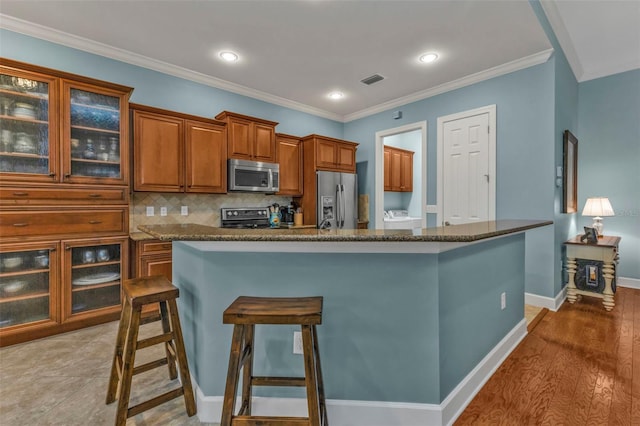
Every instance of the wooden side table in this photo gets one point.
(595, 264)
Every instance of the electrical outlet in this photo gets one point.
(150, 211)
(503, 300)
(184, 211)
(163, 211)
(297, 342)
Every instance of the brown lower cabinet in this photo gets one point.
(57, 285)
(151, 257)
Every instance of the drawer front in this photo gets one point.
(20, 196)
(155, 247)
(17, 224)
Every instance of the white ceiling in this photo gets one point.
(294, 52)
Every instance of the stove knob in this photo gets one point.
(260, 212)
(235, 213)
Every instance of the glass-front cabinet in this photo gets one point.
(92, 128)
(28, 126)
(92, 274)
(28, 273)
(58, 130)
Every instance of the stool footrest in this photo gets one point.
(277, 381)
(154, 402)
(145, 343)
(269, 420)
(150, 366)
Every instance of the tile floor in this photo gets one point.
(62, 380)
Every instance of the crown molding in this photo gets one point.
(80, 43)
(509, 67)
(550, 9)
(59, 37)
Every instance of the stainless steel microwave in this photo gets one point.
(253, 176)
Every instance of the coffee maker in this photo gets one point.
(287, 214)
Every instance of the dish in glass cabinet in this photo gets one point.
(13, 287)
(103, 277)
(12, 262)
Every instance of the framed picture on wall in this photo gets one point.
(570, 174)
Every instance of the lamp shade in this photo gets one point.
(599, 206)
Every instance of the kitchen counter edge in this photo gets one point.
(454, 233)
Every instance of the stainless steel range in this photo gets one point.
(245, 217)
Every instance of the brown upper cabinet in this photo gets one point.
(176, 152)
(398, 169)
(333, 154)
(322, 153)
(62, 128)
(250, 138)
(290, 160)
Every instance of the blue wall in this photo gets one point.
(525, 152)
(609, 158)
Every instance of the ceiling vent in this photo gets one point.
(372, 79)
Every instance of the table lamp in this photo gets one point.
(599, 206)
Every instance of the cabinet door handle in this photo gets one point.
(67, 176)
(67, 247)
(52, 175)
(21, 194)
(95, 222)
(95, 195)
(20, 225)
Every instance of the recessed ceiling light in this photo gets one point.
(427, 58)
(229, 56)
(336, 95)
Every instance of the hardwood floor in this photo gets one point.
(578, 366)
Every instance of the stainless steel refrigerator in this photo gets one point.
(337, 203)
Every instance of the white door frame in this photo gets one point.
(379, 171)
(491, 110)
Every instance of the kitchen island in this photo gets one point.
(412, 322)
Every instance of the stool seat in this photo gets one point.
(274, 310)
(139, 292)
(146, 290)
(245, 312)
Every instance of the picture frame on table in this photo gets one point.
(570, 173)
(590, 235)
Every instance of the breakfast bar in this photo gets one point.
(412, 323)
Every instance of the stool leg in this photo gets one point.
(247, 370)
(181, 354)
(316, 353)
(128, 360)
(166, 327)
(114, 378)
(310, 375)
(233, 375)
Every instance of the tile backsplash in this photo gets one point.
(204, 209)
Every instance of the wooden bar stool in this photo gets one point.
(137, 293)
(244, 313)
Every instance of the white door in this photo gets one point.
(467, 190)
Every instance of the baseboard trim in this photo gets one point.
(628, 282)
(455, 403)
(553, 304)
(381, 413)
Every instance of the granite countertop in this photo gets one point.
(453, 233)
